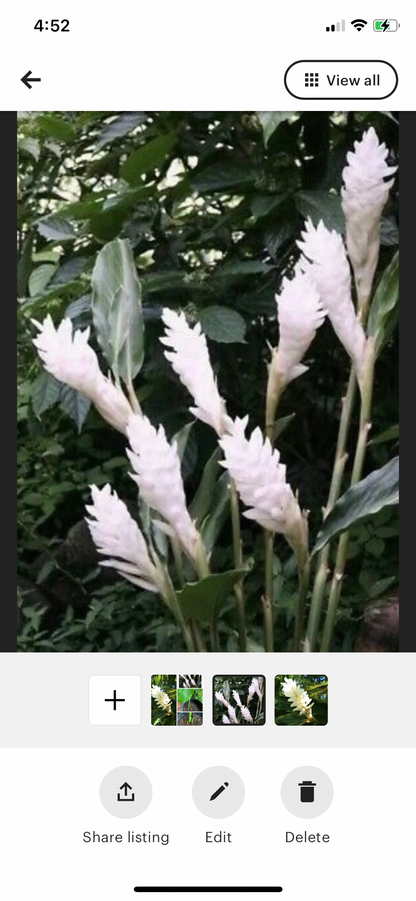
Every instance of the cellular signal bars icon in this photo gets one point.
(339, 26)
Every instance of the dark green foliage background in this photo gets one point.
(215, 239)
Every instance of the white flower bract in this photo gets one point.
(325, 261)
(161, 698)
(300, 313)
(254, 689)
(246, 714)
(118, 537)
(232, 714)
(364, 195)
(220, 697)
(225, 720)
(157, 472)
(296, 695)
(70, 359)
(260, 480)
(189, 358)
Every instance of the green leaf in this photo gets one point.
(242, 267)
(147, 158)
(375, 546)
(30, 146)
(184, 695)
(181, 438)
(269, 121)
(282, 424)
(119, 127)
(46, 392)
(223, 174)
(384, 308)
(117, 309)
(40, 278)
(187, 449)
(277, 235)
(263, 204)
(202, 502)
(75, 405)
(289, 719)
(212, 525)
(223, 324)
(391, 434)
(202, 600)
(55, 127)
(320, 205)
(379, 489)
(56, 228)
(24, 266)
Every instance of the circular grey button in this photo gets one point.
(125, 792)
(218, 792)
(307, 792)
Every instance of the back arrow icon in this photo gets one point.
(26, 79)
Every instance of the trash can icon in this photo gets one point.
(307, 791)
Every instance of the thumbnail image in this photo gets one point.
(190, 696)
(301, 700)
(239, 700)
(177, 700)
(164, 700)
(207, 327)
(190, 681)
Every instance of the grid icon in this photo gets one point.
(311, 79)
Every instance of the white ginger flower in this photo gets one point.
(69, 358)
(327, 264)
(260, 480)
(220, 697)
(189, 358)
(118, 537)
(254, 689)
(237, 698)
(161, 698)
(232, 714)
(363, 198)
(288, 685)
(157, 471)
(246, 714)
(225, 720)
(297, 696)
(299, 313)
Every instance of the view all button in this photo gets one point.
(347, 79)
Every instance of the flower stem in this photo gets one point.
(273, 394)
(169, 596)
(268, 617)
(177, 556)
(304, 573)
(238, 563)
(341, 457)
(203, 570)
(360, 452)
(134, 403)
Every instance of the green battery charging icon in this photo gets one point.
(384, 25)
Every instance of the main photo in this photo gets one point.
(207, 381)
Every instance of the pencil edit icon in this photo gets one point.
(219, 791)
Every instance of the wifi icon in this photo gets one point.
(359, 24)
